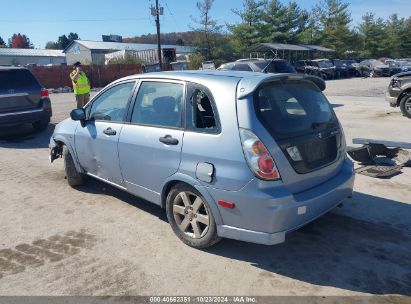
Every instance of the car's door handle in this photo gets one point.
(168, 140)
(110, 132)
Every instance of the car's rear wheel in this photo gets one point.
(74, 178)
(41, 125)
(190, 217)
(405, 106)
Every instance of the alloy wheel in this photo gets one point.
(407, 105)
(191, 214)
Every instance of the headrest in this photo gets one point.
(164, 104)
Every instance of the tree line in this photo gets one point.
(21, 41)
(328, 24)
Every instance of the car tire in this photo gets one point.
(190, 217)
(74, 178)
(337, 75)
(405, 106)
(40, 125)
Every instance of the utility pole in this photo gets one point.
(157, 11)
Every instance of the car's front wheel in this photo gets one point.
(405, 106)
(74, 178)
(190, 217)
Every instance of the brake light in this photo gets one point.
(44, 93)
(258, 158)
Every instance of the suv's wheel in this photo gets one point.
(41, 125)
(74, 178)
(337, 75)
(190, 217)
(405, 106)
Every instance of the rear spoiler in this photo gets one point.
(247, 85)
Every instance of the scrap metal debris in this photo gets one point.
(377, 159)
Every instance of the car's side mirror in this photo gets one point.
(78, 114)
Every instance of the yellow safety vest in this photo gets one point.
(82, 85)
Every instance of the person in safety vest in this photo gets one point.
(81, 85)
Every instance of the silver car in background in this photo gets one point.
(241, 155)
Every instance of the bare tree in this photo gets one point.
(207, 25)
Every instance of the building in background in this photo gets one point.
(93, 52)
(31, 57)
(112, 38)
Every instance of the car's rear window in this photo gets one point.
(16, 79)
(290, 108)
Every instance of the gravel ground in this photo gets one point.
(360, 87)
(96, 240)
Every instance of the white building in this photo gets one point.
(93, 52)
(36, 57)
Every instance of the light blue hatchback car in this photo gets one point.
(241, 155)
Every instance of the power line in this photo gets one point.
(71, 20)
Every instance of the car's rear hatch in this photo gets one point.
(300, 130)
(19, 90)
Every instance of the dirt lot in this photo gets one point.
(96, 240)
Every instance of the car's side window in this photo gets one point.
(159, 104)
(201, 110)
(112, 104)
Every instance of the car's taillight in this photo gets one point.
(258, 158)
(44, 93)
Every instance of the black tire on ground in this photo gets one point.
(405, 106)
(209, 235)
(337, 75)
(41, 125)
(74, 178)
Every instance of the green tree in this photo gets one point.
(51, 46)
(406, 39)
(73, 36)
(333, 20)
(294, 22)
(396, 37)
(63, 42)
(248, 31)
(2, 43)
(273, 17)
(373, 36)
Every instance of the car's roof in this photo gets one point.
(196, 75)
(247, 81)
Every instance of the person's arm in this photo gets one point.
(76, 75)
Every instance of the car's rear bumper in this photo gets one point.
(26, 116)
(265, 215)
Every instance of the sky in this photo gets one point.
(46, 20)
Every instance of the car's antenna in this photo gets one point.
(274, 58)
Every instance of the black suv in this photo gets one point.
(320, 67)
(399, 93)
(23, 99)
